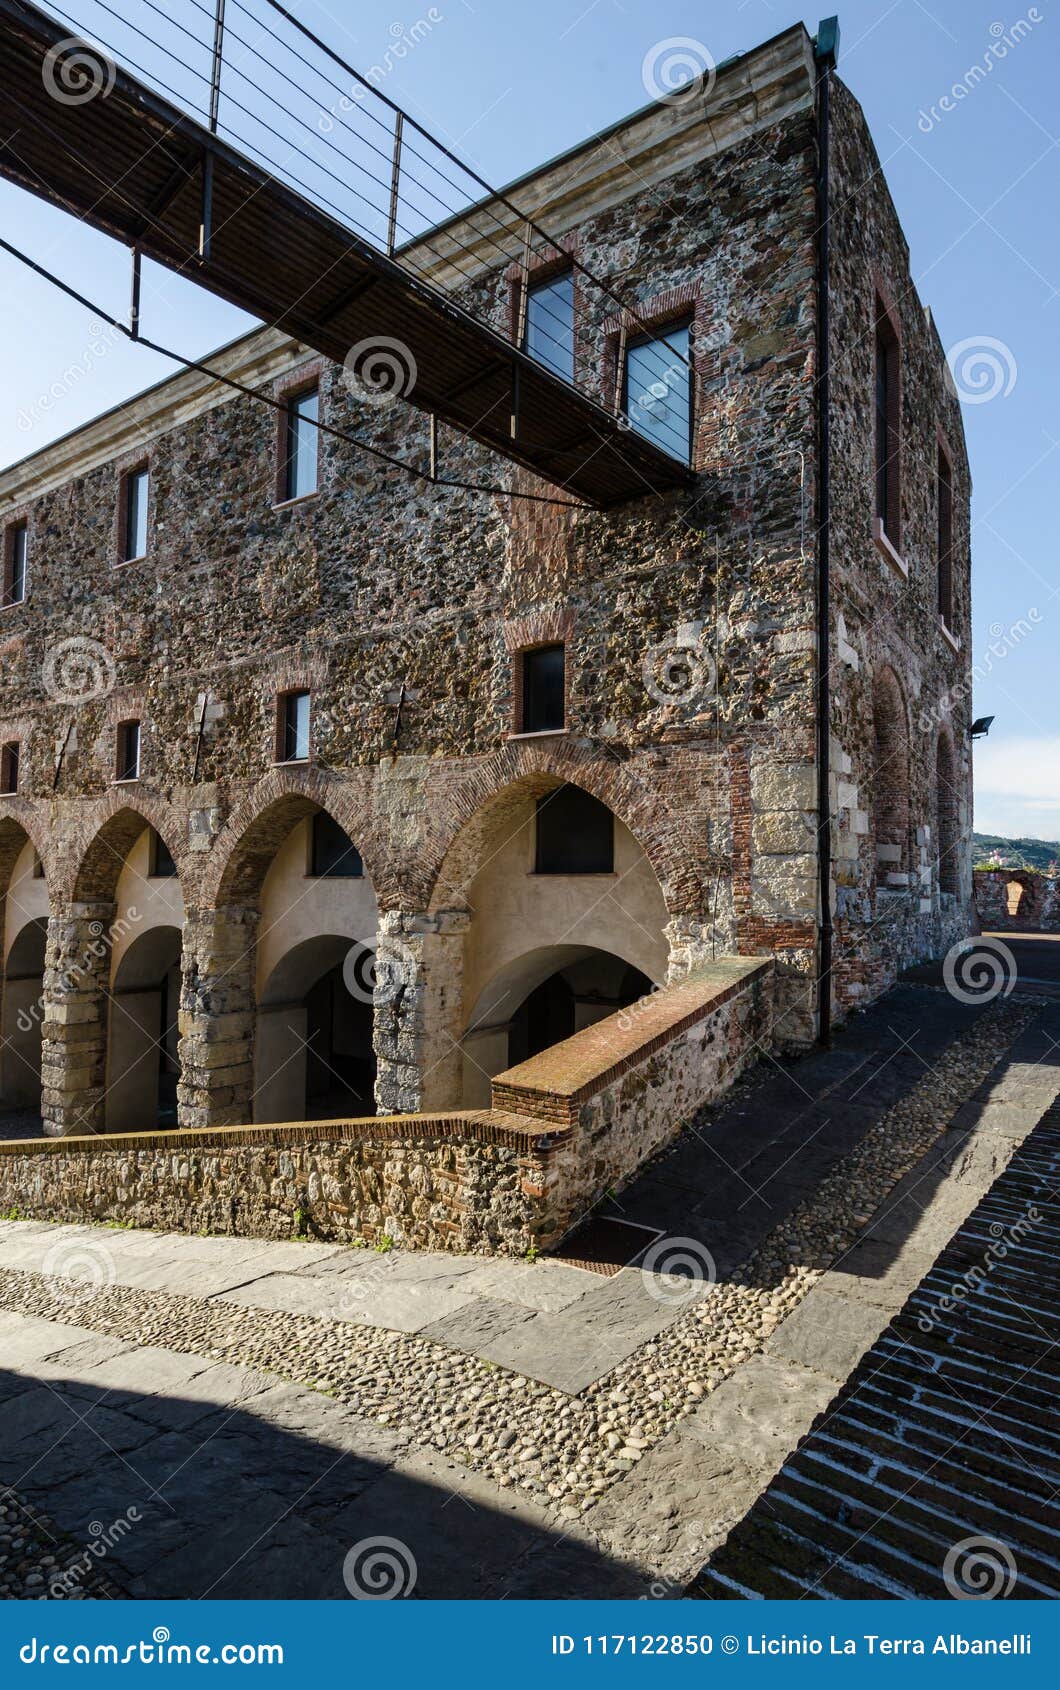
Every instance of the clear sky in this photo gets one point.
(509, 83)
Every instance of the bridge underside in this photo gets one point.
(139, 169)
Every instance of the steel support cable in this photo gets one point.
(346, 216)
(494, 489)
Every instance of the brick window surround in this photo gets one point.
(283, 718)
(10, 759)
(887, 427)
(545, 266)
(672, 309)
(553, 625)
(890, 777)
(121, 523)
(9, 595)
(128, 750)
(944, 509)
(288, 388)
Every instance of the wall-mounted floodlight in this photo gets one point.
(981, 727)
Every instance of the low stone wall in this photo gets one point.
(1038, 909)
(564, 1128)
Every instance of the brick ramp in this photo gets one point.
(945, 1434)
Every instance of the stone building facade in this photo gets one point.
(177, 944)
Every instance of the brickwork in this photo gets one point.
(403, 609)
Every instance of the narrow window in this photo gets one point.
(128, 751)
(888, 493)
(303, 413)
(333, 855)
(658, 390)
(549, 334)
(575, 834)
(294, 727)
(16, 556)
(38, 867)
(9, 767)
(544, 703)
(137, 489)
(945, 539)
(162, 865)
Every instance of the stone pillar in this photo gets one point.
(216, 1020)
(418, 1011)
(74, 1037)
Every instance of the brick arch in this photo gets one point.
(243, 852)
(890, 774)
(947, 814)
(109, 833)
(465, 819)
(20, 825)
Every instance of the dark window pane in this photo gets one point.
(658, 391)
(550, 325)
(129, 751)
(575, 834)
(296, 727)
(162, 865)
(302, 441)
(543, 700)
(334, 854)
(18, 550)
(9, 767)
(137, 487)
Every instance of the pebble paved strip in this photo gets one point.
(565, 1451)
(39, 1563)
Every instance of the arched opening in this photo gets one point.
(314, 1058)
(313, 1053)
(1015, 893)
(947, 814)
(593, 986)
(142, 1061)
(23, 938)
(890, 781)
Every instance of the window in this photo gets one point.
(16, 554)
(575, 834)
(128, 751)
(549, 334)
(888, 492)
(136, 495)
(658, 390)
(9, 767)
(544, 702)
(945, 538)
(294, 727)
(333, 853)
(303, 412)
(162, 865)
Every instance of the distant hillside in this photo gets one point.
(1042, 854)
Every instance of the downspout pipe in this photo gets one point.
(826, 52)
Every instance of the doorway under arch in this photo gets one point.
(314, 1058)
(142, 1061)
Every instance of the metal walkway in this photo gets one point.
(335, 237)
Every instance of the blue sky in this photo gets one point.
(509, 84)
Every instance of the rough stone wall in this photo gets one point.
(1038, 908)
(898, 684)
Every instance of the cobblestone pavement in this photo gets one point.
(936, 1471)
(265, 1407)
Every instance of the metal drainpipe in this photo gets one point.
(826, 49)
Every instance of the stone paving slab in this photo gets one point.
(401, 1307)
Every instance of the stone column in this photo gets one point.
(418, 1011)
(73, 1005)
(216, 1019)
